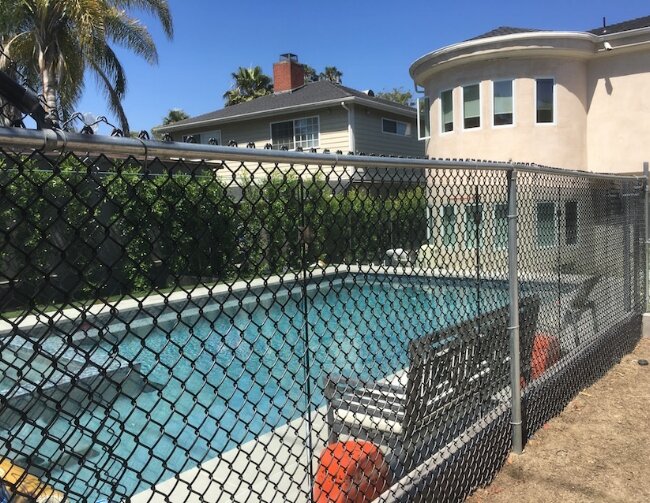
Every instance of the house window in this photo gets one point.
(424, 125)
(447, 111)
(207, 137)
(545, 92)
(546, 224)
(571, 222)
(473, 224)
(295, 133)
(471, 107)
(448, 225)
(502, 91)
(501, 226)
(395, 127)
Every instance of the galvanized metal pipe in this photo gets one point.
(513, 324)
(62, 141)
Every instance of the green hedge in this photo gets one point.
(73, 235)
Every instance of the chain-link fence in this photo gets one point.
(195, 323)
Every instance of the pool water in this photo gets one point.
(239, 369)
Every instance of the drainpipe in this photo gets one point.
(350, 111)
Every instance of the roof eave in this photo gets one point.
(286, 110)
(486, 42)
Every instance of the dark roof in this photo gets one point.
(310, 93)
(632, 24)
(503, 30)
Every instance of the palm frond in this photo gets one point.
(131, 34)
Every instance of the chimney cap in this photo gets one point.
(289, 56)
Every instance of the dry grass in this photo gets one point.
(597, 450)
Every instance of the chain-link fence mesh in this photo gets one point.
(220, 330)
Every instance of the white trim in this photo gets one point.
(290, 109)
(418, 116)
(480, 107)
(543, 124)
(409, 128)
(453, 112)
(514, 118)
(317, 117)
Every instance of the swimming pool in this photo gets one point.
(232, 370)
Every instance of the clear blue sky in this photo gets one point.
(372, 43)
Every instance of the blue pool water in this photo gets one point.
(239, 370)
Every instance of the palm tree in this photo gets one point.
(59, 40)
(250, 83)
(332, 74)
(174, 115)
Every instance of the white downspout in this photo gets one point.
(350, 111)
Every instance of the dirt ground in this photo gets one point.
(597, 450)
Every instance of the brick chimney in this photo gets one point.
(288, 74)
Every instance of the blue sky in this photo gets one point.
(372, 43)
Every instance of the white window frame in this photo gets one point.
(427, 100)
(542, 124)
(317, 117)
(453, 112)
(514, 117)
(556, 231)
(577, 221)
(480, 106)
(409, 127)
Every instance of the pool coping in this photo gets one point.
(31, 321)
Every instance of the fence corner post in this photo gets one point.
(513, 323)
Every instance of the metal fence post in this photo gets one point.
(647, 237)
(513, 324)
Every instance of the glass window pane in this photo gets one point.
(471, 106)
(545, 89)
(473, 224)
(571, 222)
(503, 102)
(448, 225)
(389, 126)
(306, 132)
(424, 126)
(501, 226)
(282, 134)
(447, 106)
(546, 224)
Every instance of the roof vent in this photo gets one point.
(369, 92)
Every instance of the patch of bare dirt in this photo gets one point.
(597, 450)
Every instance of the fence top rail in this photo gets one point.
(56, 140)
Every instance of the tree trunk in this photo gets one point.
(48, 79)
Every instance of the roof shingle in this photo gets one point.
(310, 93)
(631, 24)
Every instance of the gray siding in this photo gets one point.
(370, 139)
(333, 129)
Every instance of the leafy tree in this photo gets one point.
(250, 83)
(310, 74)
(174, 115)
(332, 74)
(398, 95)
(59, 40)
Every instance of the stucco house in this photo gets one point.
(569, 99)
(318, 115)
(575, 100)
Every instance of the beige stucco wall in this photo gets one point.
(562, 144)
(618, 125)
